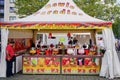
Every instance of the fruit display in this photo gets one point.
(42, 52)
(47, 52)
(55, 51)
(81, 51)
(38, 51)
(32, 51)
(76, 46)
(70, 51)
(92, 51)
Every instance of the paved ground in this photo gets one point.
(54, 77)
(20, 76)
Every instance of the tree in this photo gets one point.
(102, 9)
(116, 27)
(28, 7)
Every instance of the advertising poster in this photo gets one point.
(80, 65)
(41, 65)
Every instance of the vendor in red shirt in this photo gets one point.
(10, 57)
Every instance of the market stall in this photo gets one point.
(52, 27)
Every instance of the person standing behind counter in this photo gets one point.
(75, 41)
(10, 57)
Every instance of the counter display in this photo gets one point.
(41, 65)
(61, 64)
(80, 64)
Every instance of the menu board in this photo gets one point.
(41, 65)
(72, 65)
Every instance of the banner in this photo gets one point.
(57, 26)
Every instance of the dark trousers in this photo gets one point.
(9, 65)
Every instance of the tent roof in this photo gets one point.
(58, 12)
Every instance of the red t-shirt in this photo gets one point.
(10, 52)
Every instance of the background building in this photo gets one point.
(7, 10)
(1, 19)
(7, 13)
(1, 10)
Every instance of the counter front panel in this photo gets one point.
(41, 65)
(78, 65)
(61, 64)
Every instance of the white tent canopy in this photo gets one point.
(110, 67)
(59, 11)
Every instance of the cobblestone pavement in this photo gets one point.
(56, 77)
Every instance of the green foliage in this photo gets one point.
(106, 10)
(116, 28)
(27, 7)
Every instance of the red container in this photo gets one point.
(86, 51)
